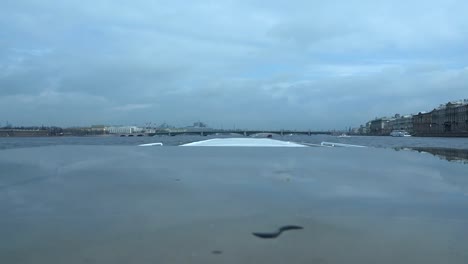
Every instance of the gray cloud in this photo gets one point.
(304, 64)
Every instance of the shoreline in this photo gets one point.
(40, 134)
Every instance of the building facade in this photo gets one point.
(380, 126)
(123, 129)
(450, 119)
(455, 119)
(404, 123)
(422, 123)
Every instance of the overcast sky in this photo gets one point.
(250, 64)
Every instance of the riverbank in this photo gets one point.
(47, 133)
(24, 133)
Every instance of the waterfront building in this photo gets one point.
(124, 129)
(422, 123)
(380, 127)
(450, 119)
(98, 129)
(364, 129)
(404, 123)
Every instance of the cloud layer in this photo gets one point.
(295, 64)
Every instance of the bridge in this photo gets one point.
(245, 133)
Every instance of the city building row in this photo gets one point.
(450, 119)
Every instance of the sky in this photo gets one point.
(297, 64)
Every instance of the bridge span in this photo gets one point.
(245, 133)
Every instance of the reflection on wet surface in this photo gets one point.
(457, 155)
(123, 204)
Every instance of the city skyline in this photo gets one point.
(301, 65)
(199, 123)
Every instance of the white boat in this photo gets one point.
(151, 144)
(399, 133)
(333, 144)
(344, 136)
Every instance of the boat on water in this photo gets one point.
(399, 133)
(344, 136)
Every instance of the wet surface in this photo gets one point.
(369, 141)
(275, 234)
(453, 155)
(124, 204)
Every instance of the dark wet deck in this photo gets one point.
(97, 204)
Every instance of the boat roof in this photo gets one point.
(242, 142)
